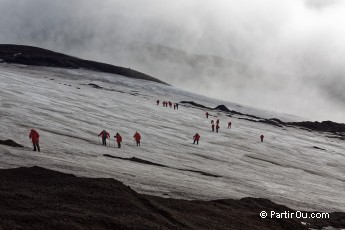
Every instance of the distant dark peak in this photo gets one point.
(29, 55)
(222, 108)
(247, 119)
(273, 121)
(10, 143)
(235, 112)
(277, 121)
(194, 104)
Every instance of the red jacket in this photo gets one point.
(34, 136)
(137, 136)
(197, 137)
(104, 134)
(118, 138)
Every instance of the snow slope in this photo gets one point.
(69, 114)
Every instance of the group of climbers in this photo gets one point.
(105, 135)
(168, 103)
(34, 136)
(213, 126)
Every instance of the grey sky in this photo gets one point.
(283, 55)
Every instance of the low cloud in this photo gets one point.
(279, 55)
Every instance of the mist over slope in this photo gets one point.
(292, 50)
(299, 168)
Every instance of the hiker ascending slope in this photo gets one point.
(262, 138)
(104, 135)
(137, 138)
(176, 105)
(217, 122)
(35, 139)
(157, 102)
(229, 125)
(217, 127)
(196, 138)
(118, 140)
(212, 124)
(206, 114)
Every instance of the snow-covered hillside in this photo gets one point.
(300, 169)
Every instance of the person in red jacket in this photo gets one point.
(262, 138)
(217, 127)
(137, 138)
(118, 140)
(196, 138)
(104, 135)
(206, 114)
(35, 139)
(212, 127)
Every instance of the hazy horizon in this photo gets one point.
(284, 56)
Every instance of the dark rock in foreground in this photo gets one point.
(37, 198)
(29, 55)
(10, 143)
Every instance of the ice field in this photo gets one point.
(69, 113)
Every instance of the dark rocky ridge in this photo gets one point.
(37, 198)
(325, 126)
(29, 55)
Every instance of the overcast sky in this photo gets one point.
(281, 55)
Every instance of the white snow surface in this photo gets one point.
(286, 168)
